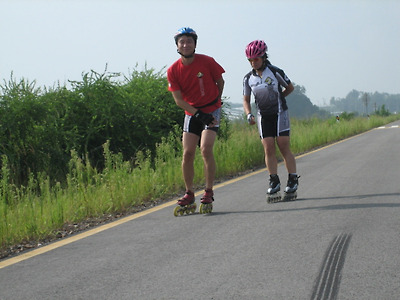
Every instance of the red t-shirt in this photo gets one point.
(197, 81)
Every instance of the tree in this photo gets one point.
(382, 111)
(300, 105)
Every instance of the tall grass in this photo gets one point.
(308, 134)
(37, 210)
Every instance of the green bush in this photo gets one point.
(40, 127)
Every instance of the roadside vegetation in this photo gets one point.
(110, 145)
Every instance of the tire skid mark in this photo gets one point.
(328, 281)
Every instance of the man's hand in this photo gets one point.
(206, 119)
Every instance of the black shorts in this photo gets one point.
(192, 125)
(273, 125)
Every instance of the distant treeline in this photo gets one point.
(356, 103)
(363, 103)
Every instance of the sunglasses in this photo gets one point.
(257, 59)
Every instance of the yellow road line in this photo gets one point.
(79, 236)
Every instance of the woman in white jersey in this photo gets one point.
(269, 86)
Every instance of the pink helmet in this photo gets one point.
(255, 49)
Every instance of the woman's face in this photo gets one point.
(186, 45)
(256, 63)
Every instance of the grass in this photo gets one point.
(38, 210)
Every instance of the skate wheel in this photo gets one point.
(290, 196)
(205, 208)
(273, 198)
(177, 211)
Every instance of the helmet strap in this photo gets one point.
(186, 56)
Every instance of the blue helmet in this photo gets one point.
(185, 31)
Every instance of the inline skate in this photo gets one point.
(291, 188)
(185, 205)
(273, 192)
(206, 205)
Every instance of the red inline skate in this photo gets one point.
(207, 200)
(185, 205)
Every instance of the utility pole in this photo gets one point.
(365, 100)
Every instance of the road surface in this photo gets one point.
(339, 240)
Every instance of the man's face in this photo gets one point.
(186, 45)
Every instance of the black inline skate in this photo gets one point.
(273, 192)
(291, 188)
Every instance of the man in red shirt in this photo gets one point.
(196, 83)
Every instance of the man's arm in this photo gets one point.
(220, 85)
(205, 118)
(182, 103)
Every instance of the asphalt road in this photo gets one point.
(339, 240)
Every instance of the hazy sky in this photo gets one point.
(329, 47)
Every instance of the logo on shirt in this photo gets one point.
(269, 80)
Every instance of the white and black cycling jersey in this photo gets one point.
(267, 89)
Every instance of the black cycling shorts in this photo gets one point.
(192, 125)
(274, 125)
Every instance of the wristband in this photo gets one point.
(249, 117)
